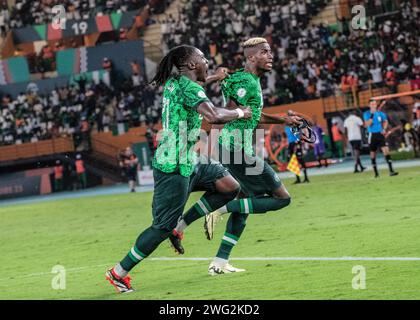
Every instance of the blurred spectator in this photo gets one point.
(390, 79)
(129, 163)
(338, 140)
(106, 64)
(319, 145)
(376, 76)
(47, 56)
(353, 129)
(416, 114)
(85, 132)
(4, 17)
(346, 90)
(109, 76)
(81, 81)
(81, 171)
(58, 176)
(136, 77)
(416, 107)
(123, 34)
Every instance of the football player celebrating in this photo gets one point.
(262, 192)
(184, 105)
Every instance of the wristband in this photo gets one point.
(241, 114)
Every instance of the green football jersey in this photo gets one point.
(181, 125)
(244, 89)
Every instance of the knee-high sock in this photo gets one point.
(209, 202)
(234, 228)
(389, 160)
(358, 164)
(303, 165)
(145, 244)
(374, 166)
(257, 204)
(305, 174)
(358, 160)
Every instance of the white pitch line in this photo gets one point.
(79, 269)
(296, 259)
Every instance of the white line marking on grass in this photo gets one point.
(296, 259)
(331, 259)
(79, 269)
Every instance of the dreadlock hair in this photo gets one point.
(176, 57)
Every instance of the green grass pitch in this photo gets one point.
(333, 216)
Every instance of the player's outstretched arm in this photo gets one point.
(219, 75)
(215, 115)
(290, 120)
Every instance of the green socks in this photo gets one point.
(209, 202)
(234, 228)
(145, 244)
(257, 204)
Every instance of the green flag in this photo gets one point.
(116, 19)
(41, 29)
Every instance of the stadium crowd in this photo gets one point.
(311, 60)
(76, 110)
(26, 12)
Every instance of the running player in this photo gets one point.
(376, 123)
(260, 193)
(175, 171)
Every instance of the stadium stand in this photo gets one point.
(25, 12)
(30, 117)
(318, 56)
(313, 59)
(36, 149)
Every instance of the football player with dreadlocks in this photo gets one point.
(262, 192)
(185, 104)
